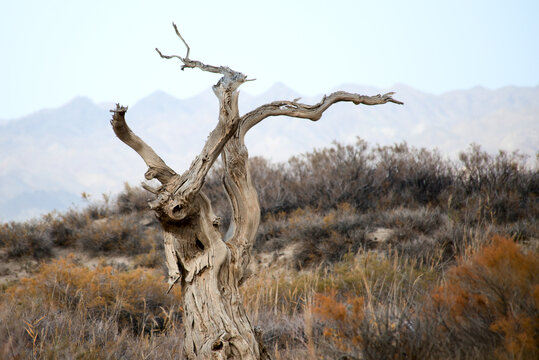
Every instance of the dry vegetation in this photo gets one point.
(368, 253)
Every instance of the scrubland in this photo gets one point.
(363, 253)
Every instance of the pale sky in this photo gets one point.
(54, 50)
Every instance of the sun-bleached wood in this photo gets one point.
(211, 268)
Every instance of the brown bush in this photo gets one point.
(25, 239)
(370, 312)
(133, 199)
(67, 311)
(490, 305)
(134, 298)
(343, 320)
(117, 234)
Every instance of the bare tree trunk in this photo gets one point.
(210, 268)
(215, 322)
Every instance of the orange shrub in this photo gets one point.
(342, 319)
(134, 297)
(492, 301)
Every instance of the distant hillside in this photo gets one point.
(50, 157)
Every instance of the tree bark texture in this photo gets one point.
(211, 268)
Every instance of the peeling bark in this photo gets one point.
(209, 268)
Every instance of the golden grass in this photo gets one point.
(369, 305)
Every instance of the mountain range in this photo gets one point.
(50, 157)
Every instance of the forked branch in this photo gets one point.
(179, 191)
(183, 188)
(227, 73)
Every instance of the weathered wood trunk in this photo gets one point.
(216, 324)
(209, 268)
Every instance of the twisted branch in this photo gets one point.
(311, 112)
(156, 166)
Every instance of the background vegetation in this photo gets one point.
(368, 253)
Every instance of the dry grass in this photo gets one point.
(440, 283)
(67, 310)
(370, 305)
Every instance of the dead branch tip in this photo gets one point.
(388, 98)
(119, 109)
(183, 40)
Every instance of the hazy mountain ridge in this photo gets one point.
(56, 154)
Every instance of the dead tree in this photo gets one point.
(211, 268)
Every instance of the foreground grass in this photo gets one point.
(366, 306)
(69, 311)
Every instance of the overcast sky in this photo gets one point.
(52, 51)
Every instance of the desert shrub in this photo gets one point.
(122, 234)
(154, 258)
(60, 233)
(319, 211)
(411, 176)
(342, 322)
(506, 186)
(364, 274)
(363, 306)
(419, 221)
(25, 239)
(134, 298)
(271, 233)
(67, 311)
(430, 235)
(324, 237)
(390, 176)
(62, 229)
(131, 233)
(482, 171)
(414, 192)
(408, 226)
(272, 185)
(324, 178)
(96, 209)
(133, 199)
(353, 328)
(522, 231)
(281, 330)
(316, 236)
(370, 310)
(378, 308)
(28, 334)
(489, 306)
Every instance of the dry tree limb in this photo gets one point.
(157, 169)
(311, 112)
